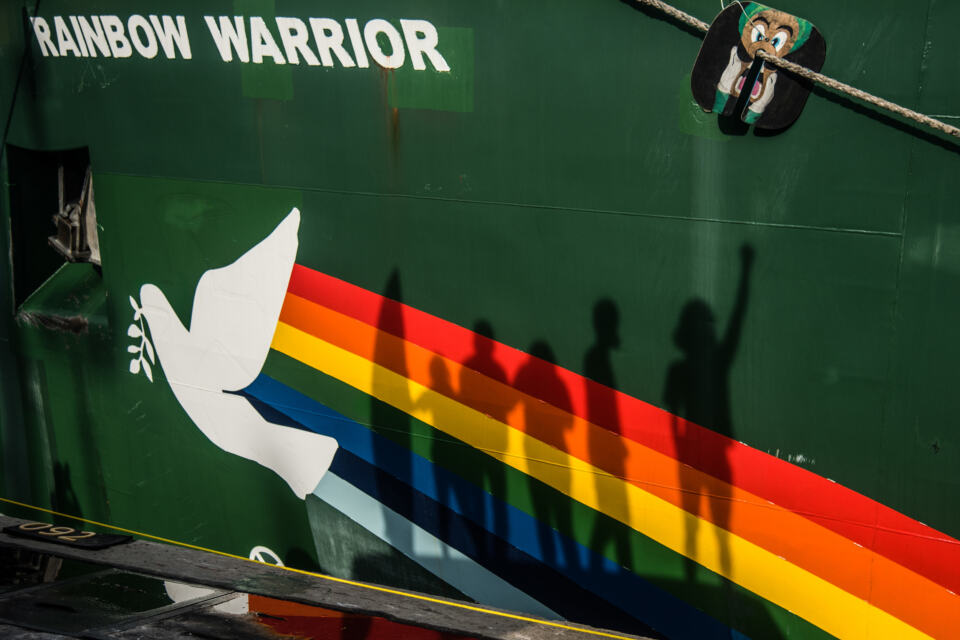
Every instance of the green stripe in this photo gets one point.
(724, 600)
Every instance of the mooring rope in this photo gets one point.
(812, 75)
(673, 12)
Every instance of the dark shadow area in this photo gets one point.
(539, 372)
(63, 498)
(390, 321)
(698, 389)
(447, 492)
(732, 125)
(398, 570)
(482, 360)
(41, 444)
(15, 476)
(34, 199)
(298, 558)
(96, 357)
(27, 61)
(606, 452)
(805, 85)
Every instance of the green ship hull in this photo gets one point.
(475, 300)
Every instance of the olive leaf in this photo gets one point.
(137, 330)
(137, 311)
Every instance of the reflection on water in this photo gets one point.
(72, 605)
(85, 599)
(305, 621)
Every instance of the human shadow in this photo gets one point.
(389, 353)
(539, 372)
(440, 450)
(483, 361)
(607, 452)
(698, 391)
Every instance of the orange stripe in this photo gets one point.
(831, 505)
(903, 593)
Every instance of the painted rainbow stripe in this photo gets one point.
(566, 535)
(467, 506)
(834, 557)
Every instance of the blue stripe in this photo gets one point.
(467, 576)
(604, 578)
(570, 600)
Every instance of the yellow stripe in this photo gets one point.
(371, 587)
(756, 569)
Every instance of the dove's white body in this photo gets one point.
(235, 313)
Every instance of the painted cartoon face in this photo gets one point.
(742, 33)
(773, 31)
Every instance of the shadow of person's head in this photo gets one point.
(541, 349)
(606, 323)
(483, 336)
(696, 330)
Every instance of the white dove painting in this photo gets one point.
(235, 314)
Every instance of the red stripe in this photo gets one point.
(833, 506)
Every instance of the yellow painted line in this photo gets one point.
(371, 587)
(754, 568)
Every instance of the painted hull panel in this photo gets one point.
(544, 336)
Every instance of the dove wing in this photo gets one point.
(236, 308)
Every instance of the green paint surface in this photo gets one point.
(441, 90)
(103, 439)
(347, 550)
(267, 79)
(693, 120)
(557, 165)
